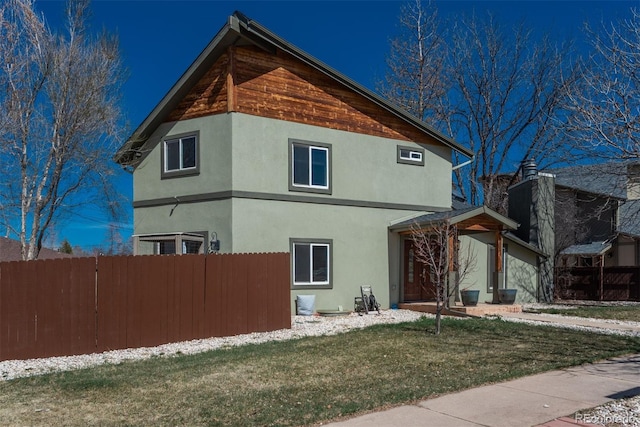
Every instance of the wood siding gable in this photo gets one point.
(252, 81)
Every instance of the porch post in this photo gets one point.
(452, 283)
(497, 276)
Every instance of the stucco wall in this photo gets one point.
(250, 156)
(521, 268)
(215, 160)
(360, 244)
(214, 216)
(364, 168)
(522, 272)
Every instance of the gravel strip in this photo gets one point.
(618, 413)
(301, 326)
(599, 330)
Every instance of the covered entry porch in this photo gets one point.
(474, 235)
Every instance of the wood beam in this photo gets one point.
(232, 99)
(499, 245)
(498, 268)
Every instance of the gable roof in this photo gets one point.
(588, 249)
(10, 250)
(608, 179)
(454, 216)
(241, 30)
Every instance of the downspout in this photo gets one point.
(468, 162)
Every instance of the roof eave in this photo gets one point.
(228, 34)
(262, 32)
(508, 223)
(240, 26)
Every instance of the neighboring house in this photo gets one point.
(259, 147)
(596, 214)
(11, 250)
(585, 215)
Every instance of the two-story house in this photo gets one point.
(259, 147)
(584, 216)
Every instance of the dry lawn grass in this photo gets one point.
(630, 313)
(305, 381)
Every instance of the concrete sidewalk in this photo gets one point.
(630, 328)
(528, 401)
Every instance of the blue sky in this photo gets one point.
(160, 39)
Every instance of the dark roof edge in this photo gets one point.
(156, 115)
(458, 216)
(239, 25)
(515, 239)
(262, 32)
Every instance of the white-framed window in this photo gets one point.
(311, 263)
(180, 155)
(309, 166)
(410, 155)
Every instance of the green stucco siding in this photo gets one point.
(520, 265)
(522, 273)
(242, 193)
(214, 157)
(214, 216)
(360, 244)
(364, 167)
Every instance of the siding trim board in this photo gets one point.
(226, 195)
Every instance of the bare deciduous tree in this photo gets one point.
(415, 80)
(437, 248)
(605, 106)
(495, 89)
(60, 119)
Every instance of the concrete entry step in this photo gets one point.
(481, 309)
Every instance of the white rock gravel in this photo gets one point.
(618, 413)
(301, 326)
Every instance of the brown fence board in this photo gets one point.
(48, 308)
(583, 283)
(215, 295)
(84, 305)
(112, 303)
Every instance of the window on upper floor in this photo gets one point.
(309, 167)
(410, 155)
(311, 263)
(180, 155)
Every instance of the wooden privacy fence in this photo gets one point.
(598, 283)
(72, 306)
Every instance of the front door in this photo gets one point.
(417, 284)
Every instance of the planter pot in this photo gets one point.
(470, 297)
(507, 296)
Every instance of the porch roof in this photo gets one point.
(455, 216)
(514, 239)
(589, 249)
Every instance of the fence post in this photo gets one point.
(601, 272)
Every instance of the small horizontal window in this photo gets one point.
(411, 155)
